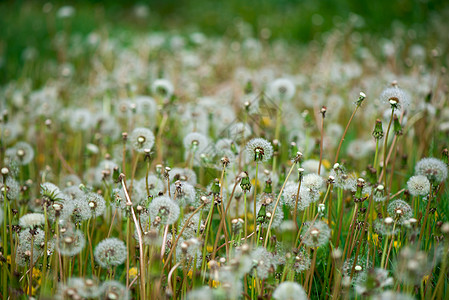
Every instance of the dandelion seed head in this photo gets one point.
(395, 96)
(12, 188)
(164, 208)
(31, 220)
(185, 193)
(162, 87)
(141, 139)
(310, 166)
(114, 290)
(289, 290)
(96, 203)
(71, 242)
(259, 149)
(22, 153)
(110, 252)
(400, 211)
(282, 89)
(315, 234)
(434, 169)
(301, 262)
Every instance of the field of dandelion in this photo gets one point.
(224, 150)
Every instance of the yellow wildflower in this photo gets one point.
(132, 272)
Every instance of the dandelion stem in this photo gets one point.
(139, 237)
(344, 133)
(384, 167)
(255, 197)
(275, 206)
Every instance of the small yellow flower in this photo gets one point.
(375, 238)
(190, 274)
(397, 244)
(209, 248)
(266, 121)
(215, 284)
(132, 272)
(37, 276)
(326, 163)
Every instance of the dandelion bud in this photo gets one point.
(245, 184)
(225, 161)
(216, 187)
(248, 88)
(445, 156)
(159, 169)
(337, 253)
(292, 149)
(378, 132)
(300, 174)
(388, 220)
(298, 157)
(124, 136)
(48, 123)
(5, 171)
(204, 200)
(321, 207)
(276, 145)
(362, 97)
(268, 186)
(445, 228)
(358, 197)
(323, 111)
(397, 128)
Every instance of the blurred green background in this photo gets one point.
(29, 23)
